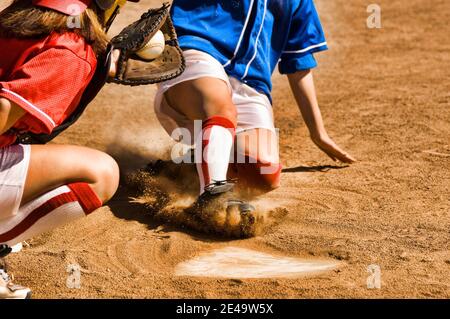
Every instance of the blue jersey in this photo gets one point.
(250, 37)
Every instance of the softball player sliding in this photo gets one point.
(231, 50)
(46, 64)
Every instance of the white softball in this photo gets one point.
(154, 48)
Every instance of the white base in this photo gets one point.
(233, 262)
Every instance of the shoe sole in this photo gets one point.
(221, 189)
(27, 296)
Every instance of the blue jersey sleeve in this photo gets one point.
(306, 37)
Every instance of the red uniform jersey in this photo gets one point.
(46, 77)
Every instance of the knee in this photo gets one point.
(226, 110)
(107, 175)
(231, 113)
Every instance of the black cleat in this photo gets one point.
(218, 188)
(220, 195)
(4, 251)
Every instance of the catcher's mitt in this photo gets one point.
(132, 69)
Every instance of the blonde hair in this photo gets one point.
(24, 20)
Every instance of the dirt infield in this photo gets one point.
(385, 96)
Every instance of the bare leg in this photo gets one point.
(209, 100)
(259, 143)
(64, 183)
(202, 98)
(257, 165)
(52, 166)
(206, 97)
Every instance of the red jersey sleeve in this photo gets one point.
(48, 87)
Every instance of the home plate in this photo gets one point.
(233, 262)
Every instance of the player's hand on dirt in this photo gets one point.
(329, 147)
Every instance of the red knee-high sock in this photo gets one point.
(213, 158)
(54, 209)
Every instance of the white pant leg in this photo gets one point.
(14, 162)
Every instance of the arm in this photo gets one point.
(10, 113)
(302, 85)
